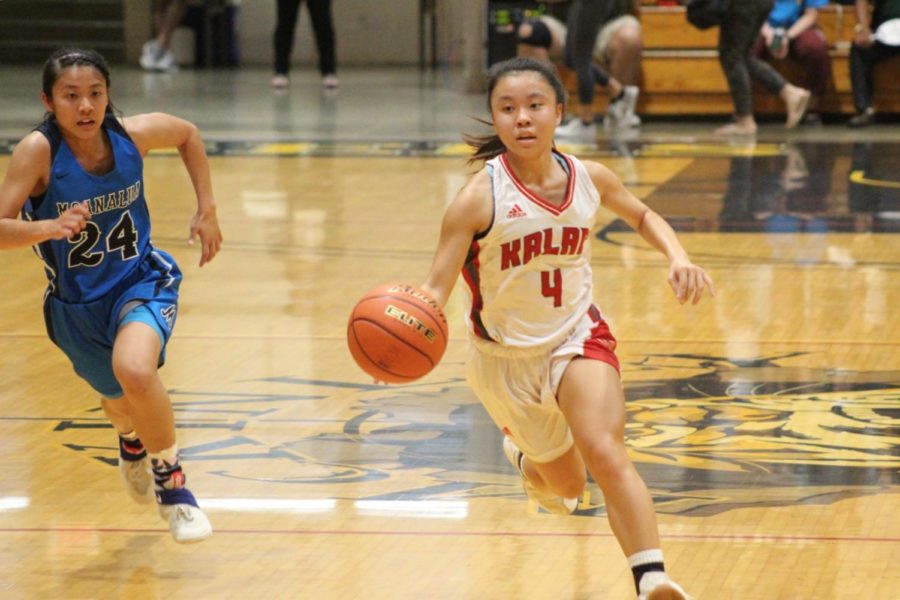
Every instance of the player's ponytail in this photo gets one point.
(489, 146)
(486, 146)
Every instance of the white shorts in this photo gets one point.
(519, 392)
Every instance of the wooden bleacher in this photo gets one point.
(681, 72)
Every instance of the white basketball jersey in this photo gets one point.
(529, 276)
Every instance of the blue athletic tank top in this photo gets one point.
(116, 238)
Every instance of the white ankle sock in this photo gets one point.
(169, 455)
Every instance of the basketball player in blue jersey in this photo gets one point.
(111, 302)
(542, 359)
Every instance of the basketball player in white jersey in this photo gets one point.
(542, 359)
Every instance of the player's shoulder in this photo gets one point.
(474, 202)
(34, 150)
(477, 188)
(35, 143)
(600, 174)
(479, 183)
(140, 123)
(146, 123)
(595, 168)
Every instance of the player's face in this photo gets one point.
(525, 112)
(79, 100)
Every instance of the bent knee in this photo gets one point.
(627, 37)
(534, 33)
(134, 374)
(606, 456)
(524, 31)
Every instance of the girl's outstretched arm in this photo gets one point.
(686, 279)
(161, 130)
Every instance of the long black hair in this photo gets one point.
(489, 146)
(71, 57)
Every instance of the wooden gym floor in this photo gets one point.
(765, 422)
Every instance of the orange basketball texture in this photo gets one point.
(397, 333)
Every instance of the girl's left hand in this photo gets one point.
(205, 224)
(687, 279)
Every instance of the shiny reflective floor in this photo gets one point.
(765, 422)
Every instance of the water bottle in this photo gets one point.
(778, 40)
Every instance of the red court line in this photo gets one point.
(759, 538)
(295, 338)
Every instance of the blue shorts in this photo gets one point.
(86, 332)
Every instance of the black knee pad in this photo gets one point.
(540, 35)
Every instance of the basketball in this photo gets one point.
(397, 333)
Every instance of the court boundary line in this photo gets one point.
(743, 538)
(622, 341)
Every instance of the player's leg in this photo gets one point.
(134, 463)
(80, 331)
(135, 358)
(591, 397)
(564, 476)
(513, 392)
(555, 485)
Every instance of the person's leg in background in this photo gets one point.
(622, 55)
(736, 37)
(795, 99)
(583, 24)
(535, 39)
(156, 54)
(619, 49)
(862, 72)
(323, 29)
(810, 48)
(283, 40)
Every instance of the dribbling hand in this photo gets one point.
(688, 280)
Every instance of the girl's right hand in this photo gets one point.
(70, 223)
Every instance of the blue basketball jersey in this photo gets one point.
(115, 240)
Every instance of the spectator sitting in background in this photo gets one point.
(737, 34)
(792, 30)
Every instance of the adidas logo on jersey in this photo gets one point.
(516, 212)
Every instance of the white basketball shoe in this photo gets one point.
(187, 523)
(656, 585)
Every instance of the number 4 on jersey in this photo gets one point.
(122, 237)
(552, 289)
